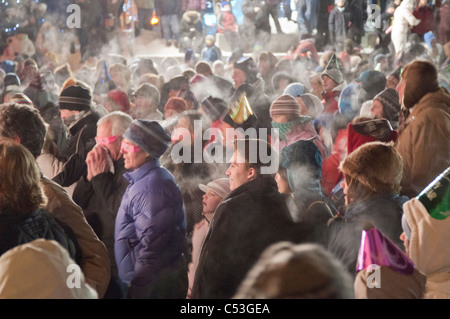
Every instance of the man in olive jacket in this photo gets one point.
(250, 219)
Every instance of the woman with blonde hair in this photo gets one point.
(22, 218)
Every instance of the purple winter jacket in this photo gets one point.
(150, 226)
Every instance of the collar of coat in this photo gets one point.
(263, 184)
(139, 173)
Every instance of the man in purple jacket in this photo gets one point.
(151, 222)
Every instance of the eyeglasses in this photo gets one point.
(106, 140)
(127, 148)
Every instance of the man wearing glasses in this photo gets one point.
(100, 192)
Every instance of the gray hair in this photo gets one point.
(120, 122)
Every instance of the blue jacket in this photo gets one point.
(150, 226)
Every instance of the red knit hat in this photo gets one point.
(121, 99)
(176, 103)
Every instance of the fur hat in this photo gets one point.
(376, 165)
(389, 98)
(420, 77)
(285, 105)
(150, 136)
(75, 98)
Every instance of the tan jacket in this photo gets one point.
(424, 142)
(96, 264)
(429, 248)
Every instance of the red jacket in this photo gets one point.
(426, 15)
(331, 101)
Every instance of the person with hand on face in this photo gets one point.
(25, 125)
(215, 192)
(150, 229)
(100, 192)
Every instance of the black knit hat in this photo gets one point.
(249, 67)
(214, 108)
(75, 98)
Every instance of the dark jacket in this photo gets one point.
(81, 141)
(100, 200)
(337, 26)
(168, 7)
(39, 224)
(250, 219)
(261, 19)
(382, 211)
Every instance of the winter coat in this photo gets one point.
(250, 219)
(426, 16)
(444, 23)
(39, 224)
(95, 263)
(337, 26)
(100, 200)
(150, 230)
(403, 22)
(168, 7)
(383, 211)
(226, 21)
(331, 175)
(25, 268)
(81, 141)
(429, 249)
(211, 54)
(259, 20)
(197, 5)
(332, 98)
(191, 21)
(198, 237)
(424, 142)
(357, 15)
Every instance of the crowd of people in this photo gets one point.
(254, 175)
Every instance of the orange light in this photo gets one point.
(154, 20)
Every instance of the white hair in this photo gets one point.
(120, 122)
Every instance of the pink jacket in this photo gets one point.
(197, 5)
